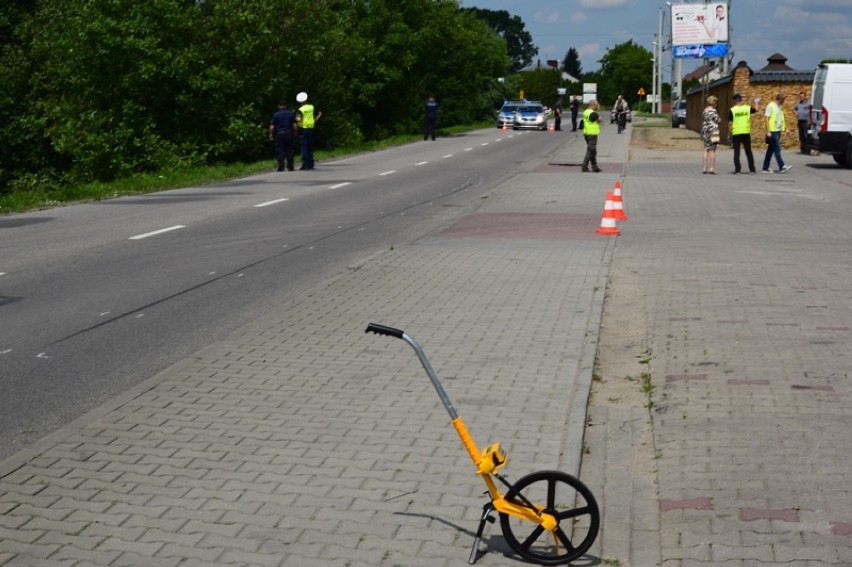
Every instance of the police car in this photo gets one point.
(506, 115)
(530, 115)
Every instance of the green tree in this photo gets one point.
(571, 64)
(625, 69)
(513, 30)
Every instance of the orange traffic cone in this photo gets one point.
(552, 128)
(617, 204)
(504, 126)
(608, 226)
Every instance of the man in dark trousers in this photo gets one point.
(431, 110)
(575, 109)
(282, 131)
(591, 131)
(739, 121)
(557, 111)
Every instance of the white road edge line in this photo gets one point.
(266, 204)
(156, 232)
(339, 185)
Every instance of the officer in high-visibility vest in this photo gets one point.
(307, 117)
(739, 125)
(591, 131)
(775, 124)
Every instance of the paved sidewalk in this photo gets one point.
(728, 310)
(301, 440)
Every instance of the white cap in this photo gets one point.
(302, 97)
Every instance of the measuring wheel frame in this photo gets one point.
(547, 517)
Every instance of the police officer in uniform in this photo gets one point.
(306, 119)
(431, 120)
(739, 123)
(282, 131)
(591, 131)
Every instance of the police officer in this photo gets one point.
(306, 118)
(575, 110)
(557, 111)
(591, 131)
(739, 124)
(431, 120)
(282, 131)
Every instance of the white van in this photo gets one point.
(831, 97)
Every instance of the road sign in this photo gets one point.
(641, 91)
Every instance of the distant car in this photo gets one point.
(612, 116)
(506, 115)
(530, 115)
(678, 113)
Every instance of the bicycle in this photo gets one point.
(569, 514)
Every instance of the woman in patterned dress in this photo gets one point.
(710, 134)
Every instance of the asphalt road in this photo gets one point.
(95, 298)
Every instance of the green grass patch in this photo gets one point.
(48, 196)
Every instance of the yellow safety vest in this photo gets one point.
(742, 119)
(774, 109)
(590, 128)
(307, 111)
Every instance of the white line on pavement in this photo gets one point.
(156, 232)
(339, 185)
(418, 163)
(266, 204)
(447, 156)
(387, 172)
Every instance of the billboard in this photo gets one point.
(698, 24)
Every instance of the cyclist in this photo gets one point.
(621, 109)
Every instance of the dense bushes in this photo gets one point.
(100, 90)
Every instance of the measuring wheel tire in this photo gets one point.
(569, 501)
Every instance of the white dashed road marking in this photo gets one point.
(156, 232)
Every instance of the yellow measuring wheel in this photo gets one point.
(547, 517)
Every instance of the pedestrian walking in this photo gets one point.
(804, 121)
(282, 131)
(306, 120)
(775, 124)
(575, 110)
(710, 134)
(557, 112)
(591, 131)
(739, 124)
(431, 121)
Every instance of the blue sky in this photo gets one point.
(805, 31)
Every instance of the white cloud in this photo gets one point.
(603, 4)
(578, 18)
(545, 18)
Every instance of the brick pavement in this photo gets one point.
(300, 440)
(737, 291)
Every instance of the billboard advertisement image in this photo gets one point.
(694, 24)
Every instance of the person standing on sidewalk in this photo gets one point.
(775, 124)
(739, 124)
(803, 118)
(306, 119)
(710, 134)
(591, 131)
(282, 131)
(431, 120)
